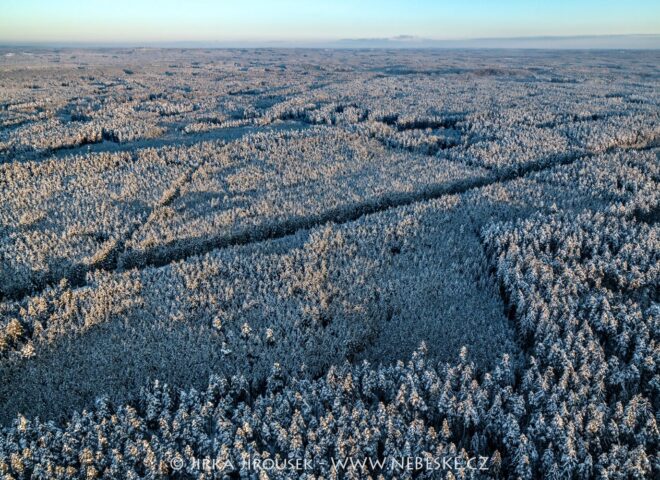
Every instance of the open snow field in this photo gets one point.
(199, 250)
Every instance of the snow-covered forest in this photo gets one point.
(329, 255)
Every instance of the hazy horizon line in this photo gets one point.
(643, 41)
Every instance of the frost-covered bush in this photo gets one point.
(373, 288)
(53, 134)
(64, 216)
(513, 147)
(583, 294)
(276, 182)
(416, 409)
(427, 136)
(627, 180)
(637, 130)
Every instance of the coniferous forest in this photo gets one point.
(327, 264)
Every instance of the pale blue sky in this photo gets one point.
(260, 20)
